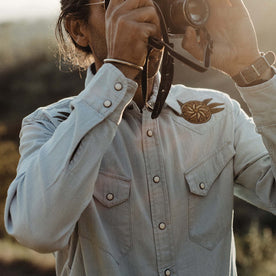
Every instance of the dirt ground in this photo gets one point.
(24, 268)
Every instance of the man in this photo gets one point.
(112, 191)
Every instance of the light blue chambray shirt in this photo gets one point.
(114, 192)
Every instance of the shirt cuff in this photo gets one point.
(108, 93)
(261, 101)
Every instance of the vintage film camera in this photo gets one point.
(175, 16)
(181, 13)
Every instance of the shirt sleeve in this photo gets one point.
(59, 165)
(256, 152)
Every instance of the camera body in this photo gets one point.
(179, 14)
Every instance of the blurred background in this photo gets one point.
(30, 78)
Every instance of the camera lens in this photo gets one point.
(188, 13)
(197, 12)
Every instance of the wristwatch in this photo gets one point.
(253, 73)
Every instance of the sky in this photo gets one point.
(12, 10)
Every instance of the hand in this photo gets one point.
(129, 24)
(233, 34)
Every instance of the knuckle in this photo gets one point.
(153, 15)
(122, 22)
(149, 3)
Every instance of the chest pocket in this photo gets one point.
(112, 190)
(106, 221)
(211, 198)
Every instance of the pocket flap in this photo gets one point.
(201, 177)
(111, 190)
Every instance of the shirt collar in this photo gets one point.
(171, 99)
(91, 71)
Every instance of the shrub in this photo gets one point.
(8, 161)
(256, 251)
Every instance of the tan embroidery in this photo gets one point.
(197, 112)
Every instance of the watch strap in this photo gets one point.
(253, 73)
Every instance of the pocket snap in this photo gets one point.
(211, 198)
(106, 222)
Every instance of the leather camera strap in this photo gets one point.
(167, 67)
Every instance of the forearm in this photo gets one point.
(261, 102)
(55, 180)
(256, 175)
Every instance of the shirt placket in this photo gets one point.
(158, 195)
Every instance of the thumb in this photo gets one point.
(193, 43)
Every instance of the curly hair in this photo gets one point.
(69, 51)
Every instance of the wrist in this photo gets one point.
(130, 70)
(257, 72)
(239, 66)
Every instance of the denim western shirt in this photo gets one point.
(113, 192)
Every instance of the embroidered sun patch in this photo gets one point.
(197, 112)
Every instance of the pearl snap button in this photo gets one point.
(107, 103)
(118, 86)
(150, 133)
(162, 226)
(156, 179)
(202, 186)
(167, 272)
(110, 196)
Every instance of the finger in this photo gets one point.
(140, 32)
(236, 3)
(226, 3)
(119, 7)
(113, 5)
(148, 30)
(130, 4)
(143, 14)
(134, 4)
(190, 43)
